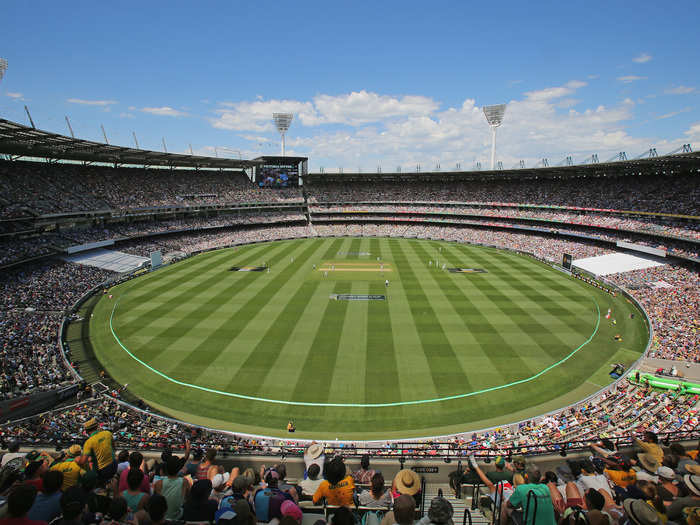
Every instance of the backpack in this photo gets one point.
(268, 503)
(372, 517)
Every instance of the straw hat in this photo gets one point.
(640, 512)
(314, 451)
(693, 484)
(407, 482)
(91, 424)
(649, 462)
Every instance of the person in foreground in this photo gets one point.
(540, 510)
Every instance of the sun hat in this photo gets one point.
(289, 508)
(640, 512)
(440, 511)
(519, 460)
(693, 483)
(92, 423)
(314, 450)
(74, 450)
(693, 469)
(666, 473)
(649, 462)
(218, 480)
(407, 482)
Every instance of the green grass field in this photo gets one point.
(440, 353)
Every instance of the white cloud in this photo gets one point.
(257, 115)
(628, 79)
(91, 102)
(408, 130)
(555, 92)
(642, 59)
(126, 115)
(680, 90)
(693, 133)
(15, 95)
(354, 109)
(362, 107)
(164, 111)
(673, 113)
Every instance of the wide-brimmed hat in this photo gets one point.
(92, 423)
(666, 473)
(407, 482)
(693, 469)
(74, 450)
(640, 512)
(693, 483)
(314, 451)
(649, 462)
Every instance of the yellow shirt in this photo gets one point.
(99, 447)
(338, 494)
(622, 478)
(71, 473)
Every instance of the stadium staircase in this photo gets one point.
(458, 505)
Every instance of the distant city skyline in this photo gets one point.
(370, 85)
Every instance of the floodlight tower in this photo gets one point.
(3, 67)
(494, 116)
(282, 122)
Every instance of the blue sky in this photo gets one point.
(370, 83)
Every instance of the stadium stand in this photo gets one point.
(47, 208)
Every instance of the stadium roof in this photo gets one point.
(679, 163)
(23, 141)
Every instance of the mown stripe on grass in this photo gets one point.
(294, 402)
(181, 325)
(502, 356)
(251, 375)
(549, 342)
(317, 370)
(185, 273)
(184, 296)
(381, 369)
(200, 358)
(543, 278)
(445, 368)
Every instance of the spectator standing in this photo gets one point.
(650, 445)
(100, 448)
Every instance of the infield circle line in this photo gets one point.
(354, 405)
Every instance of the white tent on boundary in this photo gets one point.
(617, 263)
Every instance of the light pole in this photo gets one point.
(494, 116)
(282, 122)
